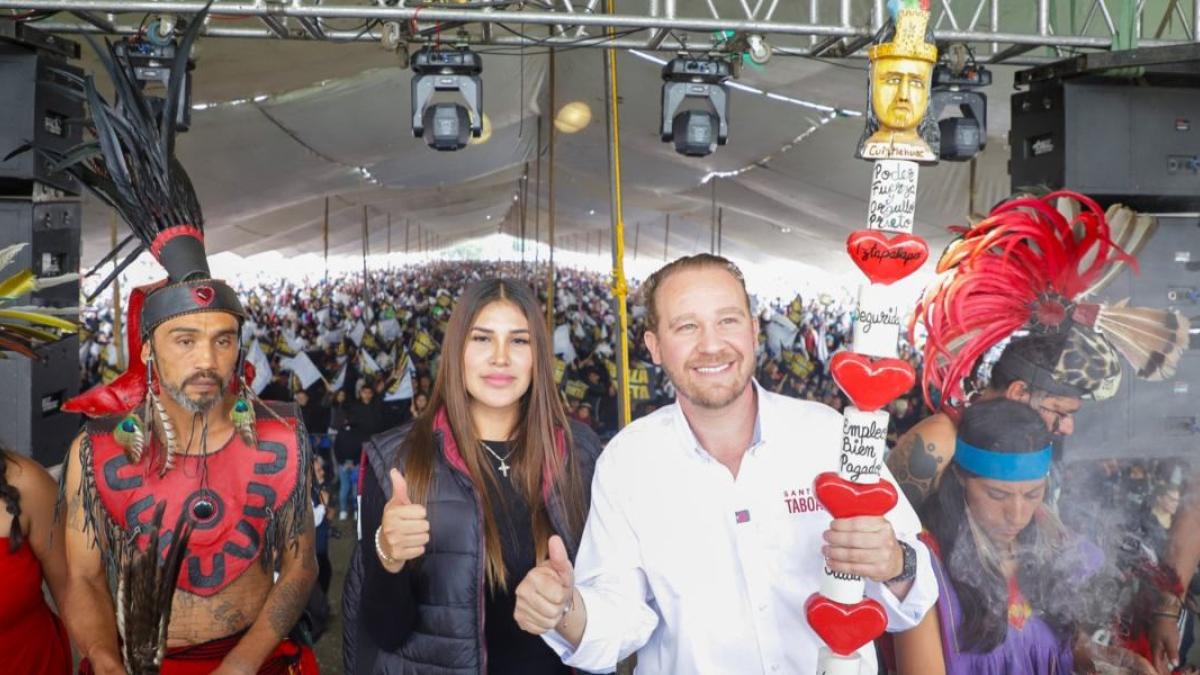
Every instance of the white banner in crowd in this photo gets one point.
(304, 369)
(367, 364)
(781, 333)
(262, 368)
(340, 381)
(403, 388)
(358, 332)
(389, 329)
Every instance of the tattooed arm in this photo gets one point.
(89, 613)
(284, 604)
(921, 455)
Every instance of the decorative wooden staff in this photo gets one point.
(870, 374)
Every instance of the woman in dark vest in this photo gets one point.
(460, 504)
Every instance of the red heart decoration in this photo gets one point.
(886, 260)
(845, 628)
(203, 295)
(871, 383)
(847, 499)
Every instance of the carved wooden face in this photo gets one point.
(900, 92)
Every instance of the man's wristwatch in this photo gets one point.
(910, 564)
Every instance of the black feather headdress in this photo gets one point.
(130, 165)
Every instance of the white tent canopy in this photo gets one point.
(324, 120)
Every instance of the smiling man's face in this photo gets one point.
(705, 337)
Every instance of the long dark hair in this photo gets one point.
(12, 503)
(1047, 567)
(534, 449)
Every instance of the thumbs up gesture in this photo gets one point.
(404, 528)
(545, 596)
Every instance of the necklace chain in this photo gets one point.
(504, 466)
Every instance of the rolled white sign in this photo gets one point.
(829, 663)
(846, 589)
(877, 322)
(864, 442)
(893, 201)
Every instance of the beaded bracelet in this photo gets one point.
(379, 549)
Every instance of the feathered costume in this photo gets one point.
(241, 505)
(1029, 266)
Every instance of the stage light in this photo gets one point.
(447, 126)
(965, 135)
(696, 131)
(573, 117)
(151, 55)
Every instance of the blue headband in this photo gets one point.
(1008, 466)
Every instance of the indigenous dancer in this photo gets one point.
(180, 437)
(1023, 270)
(1016, 592)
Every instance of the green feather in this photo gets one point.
(128, 430)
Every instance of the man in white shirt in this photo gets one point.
(704, 538)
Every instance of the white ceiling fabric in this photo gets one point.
(263, 169)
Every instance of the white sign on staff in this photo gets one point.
(877, 321)
(893, 196)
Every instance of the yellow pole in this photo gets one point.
(620, 285)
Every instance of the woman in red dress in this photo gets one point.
(33, 640)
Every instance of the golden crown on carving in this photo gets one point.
(909, 40)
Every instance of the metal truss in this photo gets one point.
(1017, 31)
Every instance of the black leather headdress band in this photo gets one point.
(189, 297)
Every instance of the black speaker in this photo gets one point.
(38, 209)
(35, 109)
(1114, 141)
(1148, 419)
(32, 423)
(51, 230)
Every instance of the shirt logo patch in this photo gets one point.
(742, 516)
(801, 500)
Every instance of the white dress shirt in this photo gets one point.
(666, 569)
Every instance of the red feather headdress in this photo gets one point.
(1026, 266)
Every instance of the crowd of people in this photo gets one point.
(387, 335)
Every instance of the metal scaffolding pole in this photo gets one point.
(551, 214)
(843, 33)
(118, 316)
(667, 237)
(537, 197)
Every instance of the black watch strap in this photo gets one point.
(910, 564)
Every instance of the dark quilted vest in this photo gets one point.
(447, 637)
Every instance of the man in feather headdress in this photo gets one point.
(1025, 270)
(180, 438)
